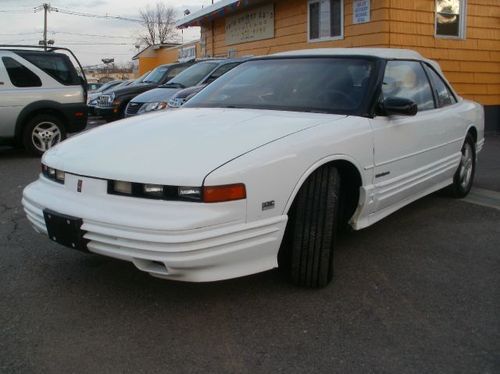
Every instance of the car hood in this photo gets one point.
(178, 147)
(156, 95)
(135, 89)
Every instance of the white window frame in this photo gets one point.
(329, 38)
(462, 27)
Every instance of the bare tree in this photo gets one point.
(159, 24)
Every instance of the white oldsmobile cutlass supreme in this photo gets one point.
(260, 168)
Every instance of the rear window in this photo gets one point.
(58, 66)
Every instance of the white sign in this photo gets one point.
(255, 24)
(360, 11)
(187, 53)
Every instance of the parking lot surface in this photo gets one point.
(418, 292)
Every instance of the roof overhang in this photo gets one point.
(220, 9)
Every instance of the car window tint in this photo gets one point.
(192, 76)
(326, 85)
(172, 73)
(221, 71)
(443, 93)
(20, 75)
(407, 79)
(57, 66)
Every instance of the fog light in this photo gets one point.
(122, 187)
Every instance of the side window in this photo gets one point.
(20, 75)
(220, 72)
(443, 93)
(407, 79)
(57, 66)
(325, 19)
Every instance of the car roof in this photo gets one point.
(383, 53)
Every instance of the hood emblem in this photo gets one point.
(79, 185)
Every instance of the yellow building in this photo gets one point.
(462, 35)
(156, 55)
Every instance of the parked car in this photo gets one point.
(202, 73)
(183, 96)
(260, 168)
(111, 105)
(94, 86)
(42, 97)
(93, 97)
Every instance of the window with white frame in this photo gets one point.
(450, 18)
(326, 19)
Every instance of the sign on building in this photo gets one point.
(360, 11)
(187, 53)
(255, 24)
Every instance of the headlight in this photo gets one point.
(151, 107)
(206, 194)
(53, 174)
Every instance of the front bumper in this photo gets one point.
(174, 240)
(108, 113)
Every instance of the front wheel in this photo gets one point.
(306, 255)
(43, 132)
(464, 176)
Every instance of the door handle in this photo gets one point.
(1, 83)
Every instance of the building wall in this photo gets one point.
(157, 57)
(472, 65)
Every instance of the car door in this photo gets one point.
(14, 92)
(412, 154)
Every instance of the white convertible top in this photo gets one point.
(388, 53)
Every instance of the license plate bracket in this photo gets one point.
(65, 230)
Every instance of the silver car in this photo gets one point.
(42, 97)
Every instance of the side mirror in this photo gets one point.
(399, 106)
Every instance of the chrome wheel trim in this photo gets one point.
(45, 135)
(466, 166)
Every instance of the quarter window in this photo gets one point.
(407, 79)
(325, 19)
(443, 94)
(450, 18)
(57, 66)
(20, 75)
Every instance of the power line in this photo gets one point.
(91, 15)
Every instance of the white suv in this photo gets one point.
(42, 97)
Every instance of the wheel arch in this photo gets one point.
(471, 129)
(34, 109)
(350, 173)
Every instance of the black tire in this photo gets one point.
(50, 132)
(306, 255)
(464, 176)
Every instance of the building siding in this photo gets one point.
(472, 65)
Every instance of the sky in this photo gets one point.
(104, 38)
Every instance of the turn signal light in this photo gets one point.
(229, 192)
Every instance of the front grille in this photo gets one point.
(133, 108)
(105, 101)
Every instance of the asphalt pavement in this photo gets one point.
(418, 292)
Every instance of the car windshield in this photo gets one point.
(156, 75)
(327, 85)
(193, 75)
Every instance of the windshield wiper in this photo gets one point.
(173, 85)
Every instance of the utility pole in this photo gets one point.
(46, 8)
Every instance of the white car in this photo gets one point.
(260, 168)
